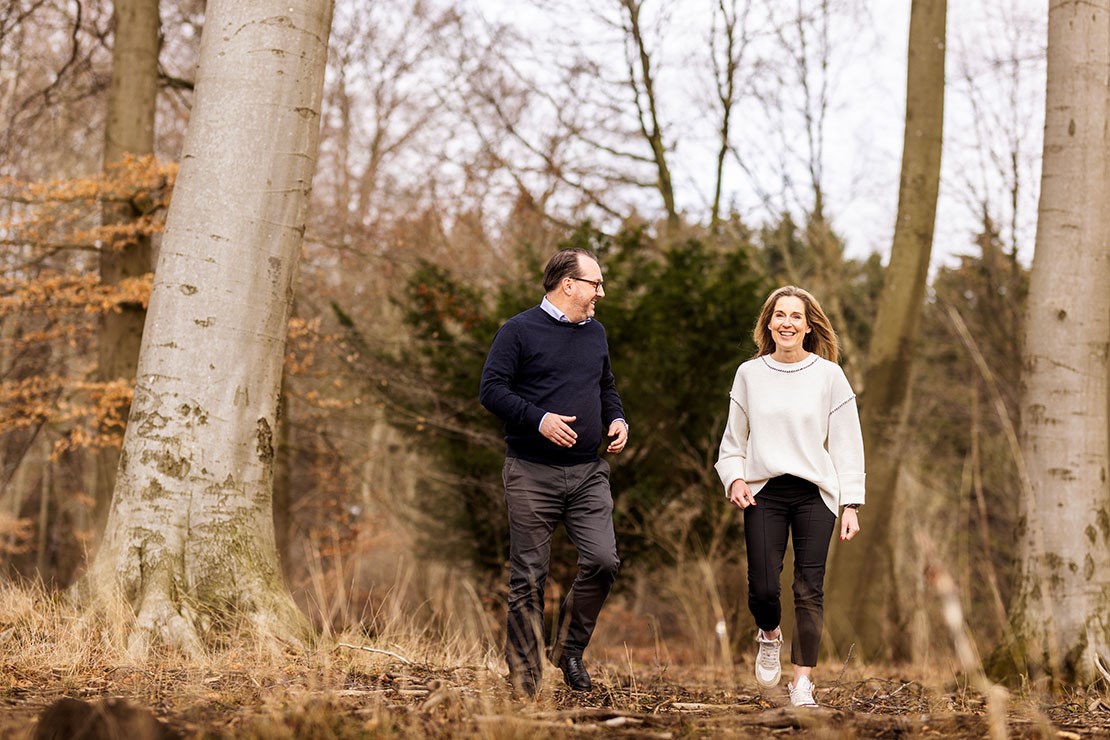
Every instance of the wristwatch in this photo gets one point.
(852, 506)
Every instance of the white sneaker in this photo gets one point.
(767, 668)
(801, 692)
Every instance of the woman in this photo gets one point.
(791, 455)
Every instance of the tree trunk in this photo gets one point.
(1060, 616)
(283, 482)
(130, 130)
(190, 537)
(863, 606)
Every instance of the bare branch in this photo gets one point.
(60, 74)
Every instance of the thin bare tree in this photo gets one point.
(646, 98)
(729, 45)
(862, 593)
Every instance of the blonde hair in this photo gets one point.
(821, 339)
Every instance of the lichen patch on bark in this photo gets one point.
(192, 415)
(265, 439)
(148, 423)
(154, 491)
(167, 464)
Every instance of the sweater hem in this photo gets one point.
(544, 460)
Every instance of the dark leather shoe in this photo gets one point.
(574, 673)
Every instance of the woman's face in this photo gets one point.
(788, 323)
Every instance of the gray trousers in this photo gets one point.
(538, 497)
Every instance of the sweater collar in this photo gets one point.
(789, 367)
(553, 311)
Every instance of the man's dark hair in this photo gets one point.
(563, 264)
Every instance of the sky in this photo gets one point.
(994, 112)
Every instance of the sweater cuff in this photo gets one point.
(852, 488)
(534, 416)
(730, 470)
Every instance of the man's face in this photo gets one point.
(586, 289)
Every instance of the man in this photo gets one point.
(548, 377)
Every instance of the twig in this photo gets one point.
(845, 666)
(391, 654)
(892, 693)
(1102, 668)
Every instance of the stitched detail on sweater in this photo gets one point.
(842, 404)
(794, 370)
(738, 404)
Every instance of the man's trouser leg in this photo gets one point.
(534, 503)
(588, 517)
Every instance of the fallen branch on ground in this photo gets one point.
(391, 654)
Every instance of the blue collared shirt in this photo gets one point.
(552, 310)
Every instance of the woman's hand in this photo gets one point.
(849, 524)
(740, 494)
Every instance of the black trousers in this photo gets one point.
(788, 505)
(539, 497)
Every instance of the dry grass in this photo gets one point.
(437, 674)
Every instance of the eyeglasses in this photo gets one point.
(599, 285)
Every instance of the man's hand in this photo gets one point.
(619, 430)
(557, 428)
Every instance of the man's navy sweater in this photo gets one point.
(538, 364)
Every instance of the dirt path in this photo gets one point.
(473, 702)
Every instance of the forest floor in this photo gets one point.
(353, 694)
(61, 667)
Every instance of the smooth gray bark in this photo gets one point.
(1061, 615)
(190, 538)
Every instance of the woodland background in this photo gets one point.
(458, 148)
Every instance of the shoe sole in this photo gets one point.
(768, 684)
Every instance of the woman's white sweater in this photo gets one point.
(795, 418)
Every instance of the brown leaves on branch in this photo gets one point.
(309, 353)
(86, 414)
(55, 294)
(16, 534)
(52, 297)
(65, 214)
(138, 180)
